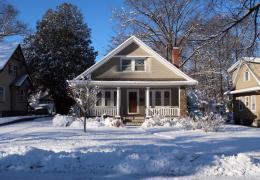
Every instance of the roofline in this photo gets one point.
(135, 83)
(17, 46)
(252, 89)
(146, 48)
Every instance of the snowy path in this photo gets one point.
(36, 149)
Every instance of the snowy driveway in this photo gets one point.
(37, 150)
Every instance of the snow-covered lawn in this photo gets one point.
(38, 150)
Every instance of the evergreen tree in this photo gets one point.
(59, 50)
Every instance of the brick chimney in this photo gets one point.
(176, 56)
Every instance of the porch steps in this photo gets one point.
(133, 121)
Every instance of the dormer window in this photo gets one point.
(12, 69)
(246, 76)
(132, 64)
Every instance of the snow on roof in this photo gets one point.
(7, 48)
(244, 59)
(252, 89)
(19, 81)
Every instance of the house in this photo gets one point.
(245, 91)
(138, 82)
(15, 81)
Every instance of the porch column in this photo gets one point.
(118, 100)
(147, 101)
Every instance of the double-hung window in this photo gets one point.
(106, 98)
(247, 101)
(2, 94)
(160, 98)
(246, 76)
(12, 69)
(132, 65)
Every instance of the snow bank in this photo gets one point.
(62, 120)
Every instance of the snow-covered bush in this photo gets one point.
(62, 120)
(207, 122)
(211, 122)
(158, 120)
(111, 122)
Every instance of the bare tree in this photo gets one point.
(85, 97)
(9, 25)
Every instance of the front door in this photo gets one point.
(133, 102)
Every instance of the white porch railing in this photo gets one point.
(99, 111)
(164, 111)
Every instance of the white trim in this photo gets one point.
(146, 48)
(135, 83)
(127, 100)
(243, 59)
(246, 90)
(179, 96)
(162, 97)
(132, 56)
(253, 99)
(103, 98)
(3, 100)
(118, 101)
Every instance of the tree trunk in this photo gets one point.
(85, 121)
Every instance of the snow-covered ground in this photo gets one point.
(38, 150)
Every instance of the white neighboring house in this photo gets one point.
(138, 82)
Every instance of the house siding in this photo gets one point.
(241, 84)
(110, 71)
(6, 79)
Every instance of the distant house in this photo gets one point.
(138, 82)
(15, 81)
(246, 91)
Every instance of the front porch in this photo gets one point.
(141, 102)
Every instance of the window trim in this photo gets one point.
(247, 103)
(132, 59)
(103, 92)
(3, 100)
(152, 104)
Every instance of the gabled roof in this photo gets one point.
(146, 48)
(6, 51)
(243, 60)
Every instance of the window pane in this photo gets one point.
(247, 101)
(99, 99)
(151, 99)
(158, 98)
(253, 100)
(166, 98)
(126, 65)
(115, 98)
(1, 94)
(246, 76)
(107, 98)
(139, 65)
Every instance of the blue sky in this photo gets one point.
(97, 15)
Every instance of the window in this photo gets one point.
(166, 98)
(247, 101)
(246, 76)
(253, 103)
(99, 99)
(240, 103)
(12, 69)
(158, 98)
(106, 98)
(132, 65)
(139, 65)
(115, 98)
(21, 95)
(126, 65)
(2, 94)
